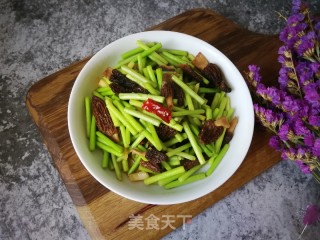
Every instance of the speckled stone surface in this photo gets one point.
(38, 38)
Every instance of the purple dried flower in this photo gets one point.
(312, 214)
(283, 78)
(315, 66)
(290, 105)
(314, 121)
(289, 154)
(303, 167)
(296, 4)
(306, 45)
(304, 74)
(300, 128)
(284, 131)
(254, 75)
(294, 19)
(308, 139)
(292, 110)
(312, 94)
(316, 148)
(275, 143)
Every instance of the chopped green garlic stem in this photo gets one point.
(177, 150)
(159, 77)
(140, 96)
(134, 58)
(230, 114)
(143, 116)
(131, 119)
(141, 63)
(215, 101)
(171, 61)
(120, 116)
(179, 137)
(153, 56)
(189, 173)
(155, 136)
(188, 90)
(135, 103)
(187, 156)
(107, 148)
(152, 76)
(131, 52)
(189, 102)
(148, 135)
(167, 180)
(105, 159)
(135, 74)
(219, 141)
(135, 165)
(123, 136)
(166, 165)
(217, 159)
(188, 113)
(208, 90)
(208, 113)
(175, 51)
(175, 140)
(109, 142)
(191, 179)
(174, 58)
(116, 168)
(193, 142)
(222, 106)
(215, 113)
(137, 141)
(164, 175)
(88, 114)
(92, 138)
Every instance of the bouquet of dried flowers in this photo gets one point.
(292, 110)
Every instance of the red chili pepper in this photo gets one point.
(156, 108)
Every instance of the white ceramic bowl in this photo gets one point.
(87, 81)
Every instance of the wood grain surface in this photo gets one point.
(107, 215)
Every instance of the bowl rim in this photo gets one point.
(143, 199)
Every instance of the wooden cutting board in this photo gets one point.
(109, 216)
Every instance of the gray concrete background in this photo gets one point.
(38, 38)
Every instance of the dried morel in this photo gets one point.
(211, 71)
(191, 72)
(151, 166)
(188, 164)
(178, 93)
(210, 132)
(165, 132)
(167, 89)
(103, 118)
(155, 156)
(121, 84)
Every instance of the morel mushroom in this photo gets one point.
(165, 132)
(167, 89)
(188, 164)
(210, 132)
(211, 71)
(103, 118)
(121, 84)
(178, 93)
(155, 156)
(191, 72)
